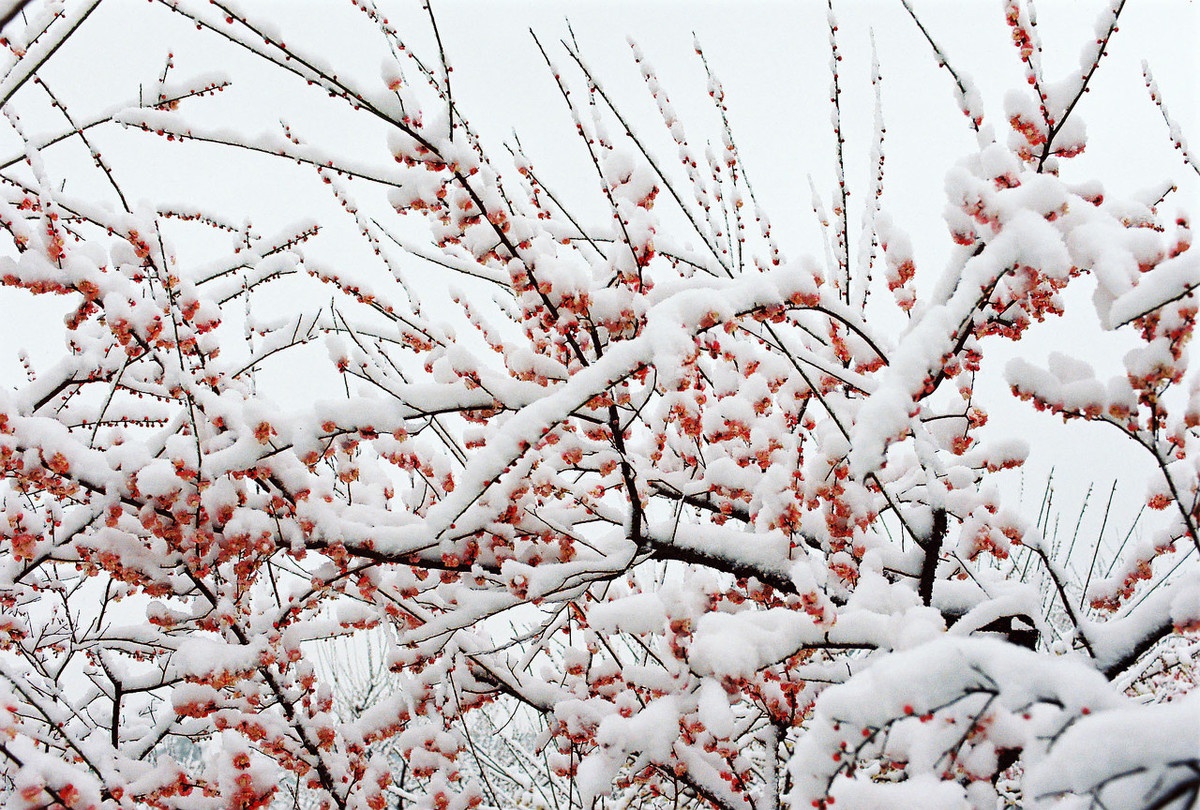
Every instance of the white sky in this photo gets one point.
(771, 56)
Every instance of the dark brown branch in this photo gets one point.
(932, 546)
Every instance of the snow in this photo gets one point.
(737, 645)
(675, 503)
(923, 791)
(915, 690)
(1157, 751)
(640, 613)
(1168, 281)
(1117, 639)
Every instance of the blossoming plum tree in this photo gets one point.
(722, 520)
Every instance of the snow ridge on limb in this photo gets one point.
(965, 706)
